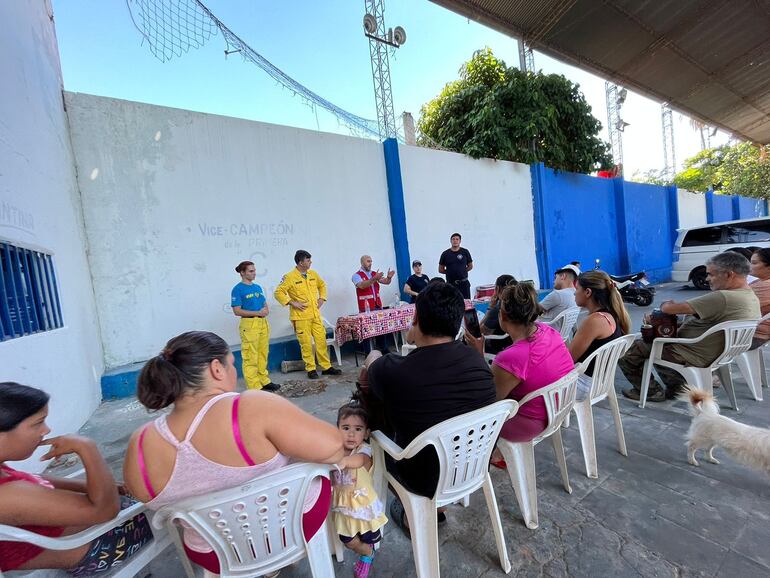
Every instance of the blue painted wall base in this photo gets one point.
(121, 381)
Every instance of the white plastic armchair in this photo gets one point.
(406, 348)
(565, 322)
(737, 336)
(332, 341)
(605, 360)
(255, 528)
(559, 398)
(464, 446)
(135, 563)
(751, 364)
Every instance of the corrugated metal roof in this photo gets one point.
(709, 59)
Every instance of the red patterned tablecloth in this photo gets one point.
(365, 325)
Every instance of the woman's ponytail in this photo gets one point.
(617, 308)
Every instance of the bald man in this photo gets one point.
(367, 284)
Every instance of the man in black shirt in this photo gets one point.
(440, 379)
(456, 262)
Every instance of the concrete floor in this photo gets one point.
(648, 514)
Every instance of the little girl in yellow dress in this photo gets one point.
(357, 510)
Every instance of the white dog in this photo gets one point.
(745, 443)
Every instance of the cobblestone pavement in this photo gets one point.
(648, 514)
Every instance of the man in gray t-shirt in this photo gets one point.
(563, 295)
(730, 299)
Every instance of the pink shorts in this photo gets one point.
(311, 522)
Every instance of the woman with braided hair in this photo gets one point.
(607, 320)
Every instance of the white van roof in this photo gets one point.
(707, 225)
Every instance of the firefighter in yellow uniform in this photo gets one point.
(248, 303)
(304, 292)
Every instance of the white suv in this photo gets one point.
(696, 245)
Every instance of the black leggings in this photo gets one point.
(116, 546)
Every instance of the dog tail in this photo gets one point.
(700, 401)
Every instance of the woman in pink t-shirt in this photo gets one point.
(537, 358)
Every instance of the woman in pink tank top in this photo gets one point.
(214, 438)
(51, 506)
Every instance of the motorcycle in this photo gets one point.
(633, 288)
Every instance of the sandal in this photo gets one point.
(398, 515)
(499, 464)
(440, 517)
(363, 565)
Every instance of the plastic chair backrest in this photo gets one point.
(738, 336)
(253, 525)
(559, 397)
(605, 363)
(464, 446)
(565, 321)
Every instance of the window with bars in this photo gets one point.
(29, 297)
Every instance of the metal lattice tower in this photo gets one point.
(669, 155)
(614, 123)
(705, 137)
(526, 57)
(378, 51)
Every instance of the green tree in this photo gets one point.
(502, 113)
(741, 169)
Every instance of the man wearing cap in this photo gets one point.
(456, 262)
(367, 283)
(563, 295)
(417, 281)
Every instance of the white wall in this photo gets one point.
(40, 207)
(692, 209)
(488, 202)
(173, 200)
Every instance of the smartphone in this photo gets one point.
(471, 320)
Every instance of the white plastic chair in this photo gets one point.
(255, 528)
(407, 347)
(737, 335)
(751, 364)
(332, 341)
(559, 398)
(605, 361)
(161, 540)
(464, 445)
(565, 322)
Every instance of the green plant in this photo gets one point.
(741, 169)
(503, 113)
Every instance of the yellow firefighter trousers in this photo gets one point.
(309, 330)
(255, 341)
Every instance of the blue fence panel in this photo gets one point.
(649, 240)
(722, 208)
(749, 208)
(578, 220)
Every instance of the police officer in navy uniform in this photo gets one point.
(455, 262)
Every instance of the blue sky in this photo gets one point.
(320, 44)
